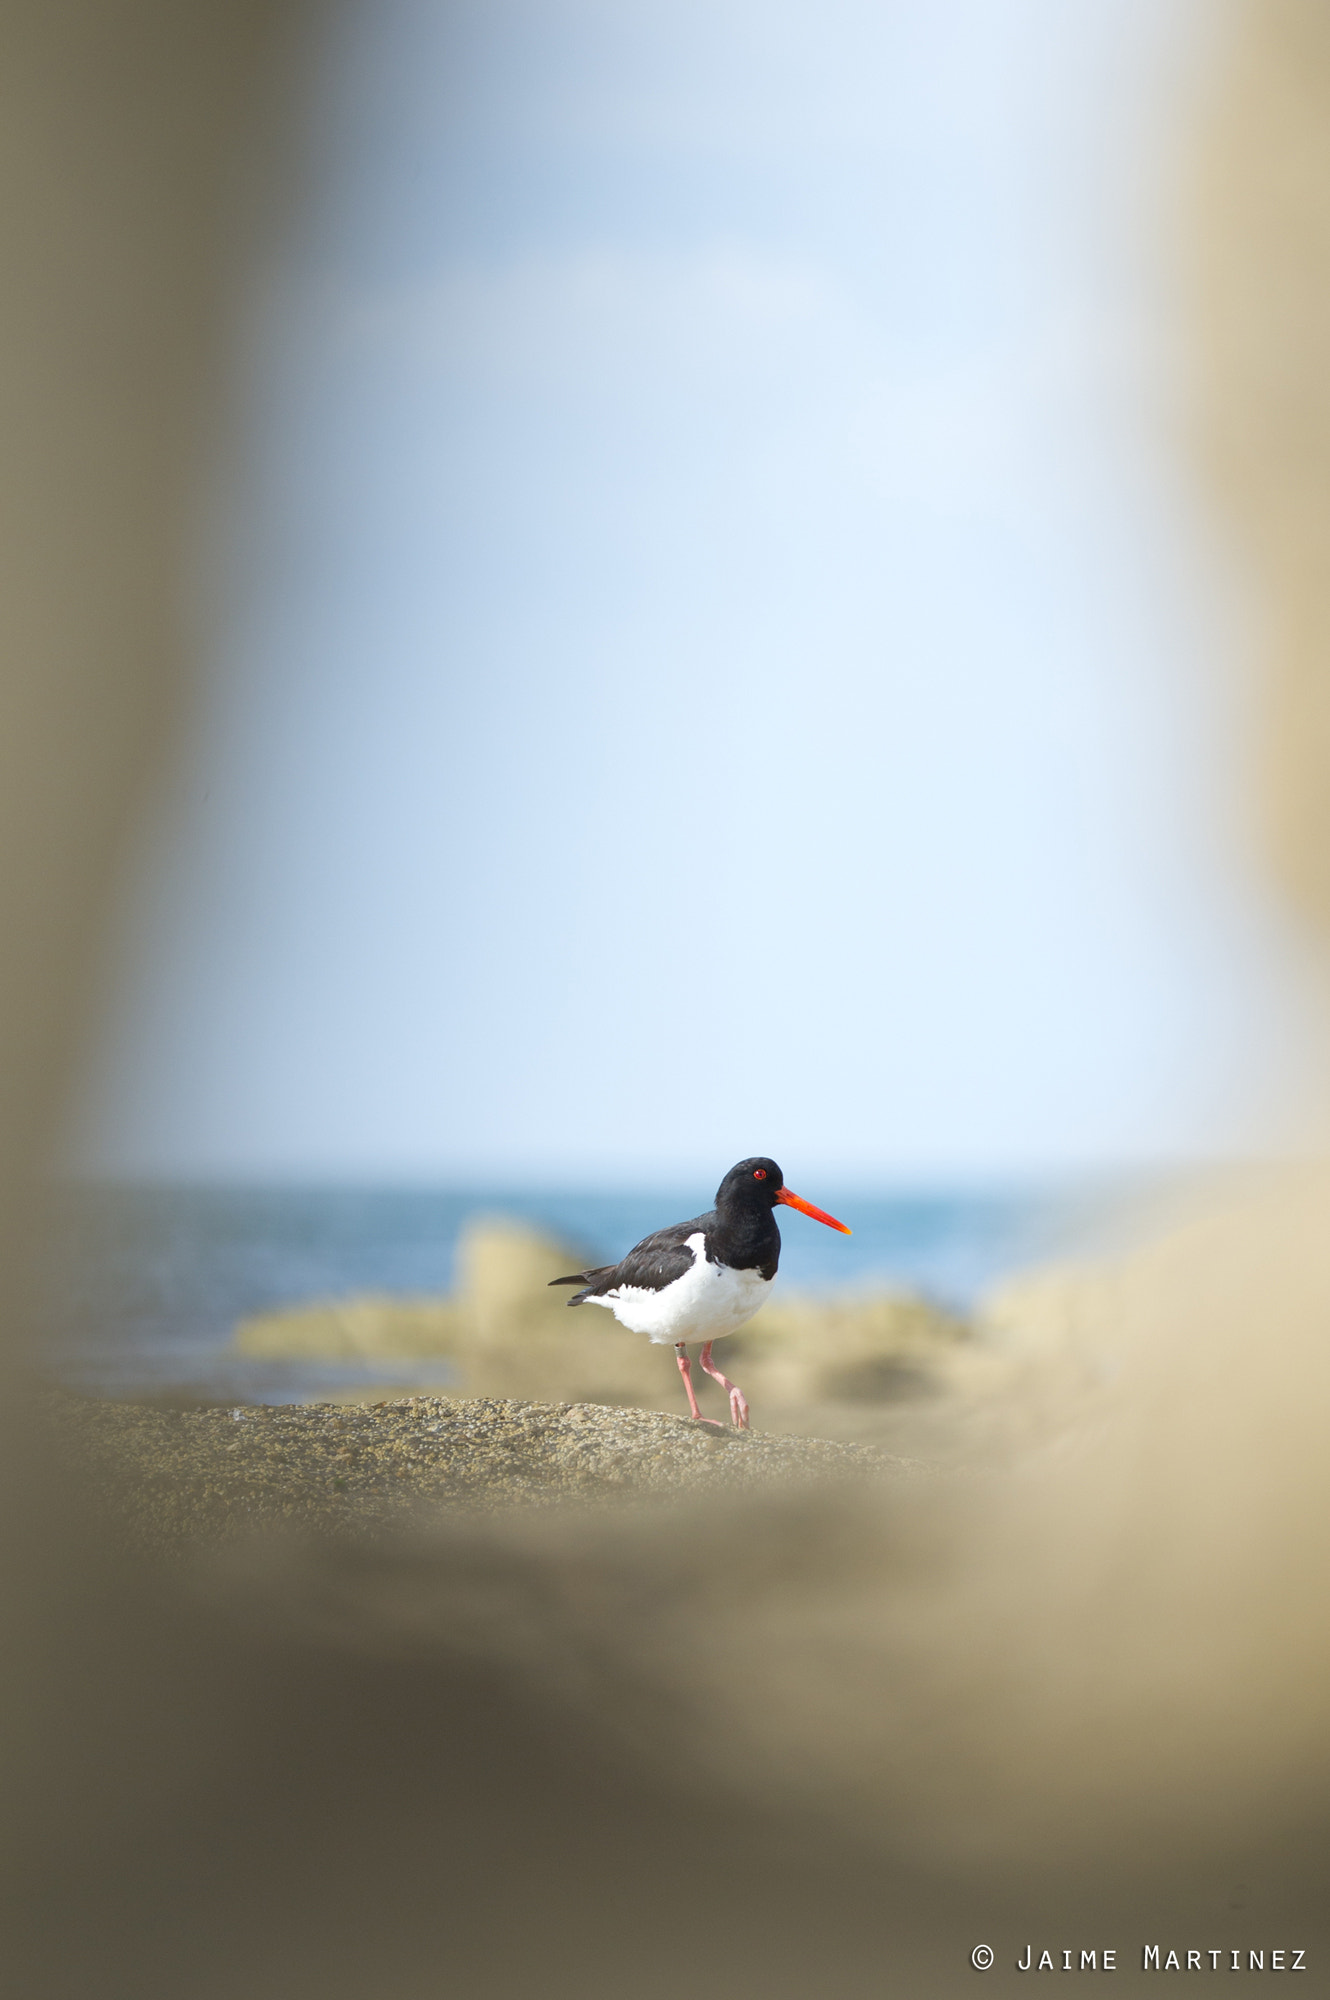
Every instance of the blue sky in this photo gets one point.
(712, 643)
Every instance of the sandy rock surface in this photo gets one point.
(182, 1474)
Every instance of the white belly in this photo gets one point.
(706, 1303)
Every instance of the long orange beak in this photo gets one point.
(818, 1214)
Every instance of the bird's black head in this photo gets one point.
(754, 1183)
(759, 1184)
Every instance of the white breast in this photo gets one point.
(707, 1302)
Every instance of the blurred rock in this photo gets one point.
(508, 1334)
(885, 1348)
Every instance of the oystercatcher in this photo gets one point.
(702, 1279)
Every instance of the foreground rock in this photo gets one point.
(177, 1475)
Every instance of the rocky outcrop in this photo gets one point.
(176, 1475)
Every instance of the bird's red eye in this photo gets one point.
(759, 1173)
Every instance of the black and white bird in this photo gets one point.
(702, 1279)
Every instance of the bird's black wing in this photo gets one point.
(650, 1265)
(660, 1258)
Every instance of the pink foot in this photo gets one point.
(738, 1401)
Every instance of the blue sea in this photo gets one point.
(146, 1284)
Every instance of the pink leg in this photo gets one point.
(682, 1353)
(738, 1401)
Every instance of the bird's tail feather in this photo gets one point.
(587, 1278)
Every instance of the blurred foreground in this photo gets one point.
(1078, 1687)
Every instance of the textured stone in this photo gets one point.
(178, 1474)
